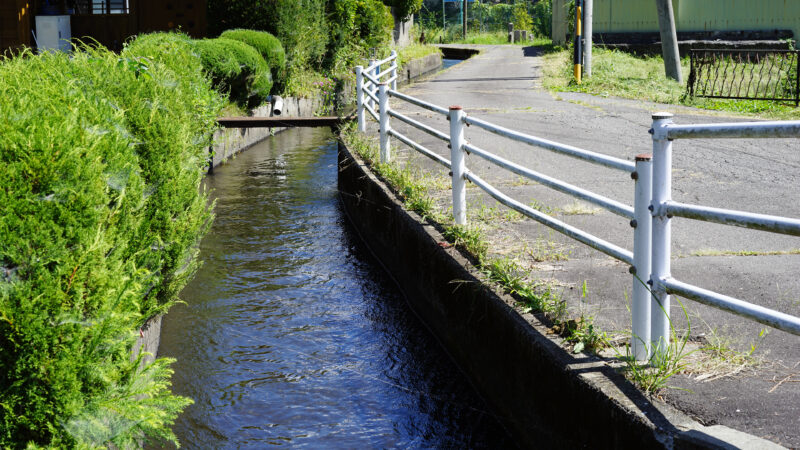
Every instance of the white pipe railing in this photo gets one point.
(598, 158)
(650, 215)
(420, 126)
(589, 196)
(420, 103)
(596, 243)
(664, 209)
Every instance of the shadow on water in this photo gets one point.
(291, 334)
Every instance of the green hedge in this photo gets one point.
(102, 160)
(268, 45)
(356, 26)
(236, 68)
(301, 26)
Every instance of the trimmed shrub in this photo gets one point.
(236, 68)
(301, 26)
(102, 160)
(268, 45)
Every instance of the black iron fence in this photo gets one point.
(745, 74)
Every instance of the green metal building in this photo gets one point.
(622, 16)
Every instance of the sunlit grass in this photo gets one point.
(619, 74)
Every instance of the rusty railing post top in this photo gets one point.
(662, 115)
(644, 157)
(455, 108)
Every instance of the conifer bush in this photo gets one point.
(236, 68)
(102, 158)
(267, 45)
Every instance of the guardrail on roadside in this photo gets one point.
(649, 216)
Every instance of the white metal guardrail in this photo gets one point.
(664, 209)
(649, 216)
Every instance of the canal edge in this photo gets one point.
(544, 395)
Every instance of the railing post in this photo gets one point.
(662, 233)
(362, 125)
(458, 165)
(394, 71)
(642, 236)
(797, 79)
(369, 84)
(383, 96)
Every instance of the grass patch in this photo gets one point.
(482, 38)
(619, 74)
(415, 51)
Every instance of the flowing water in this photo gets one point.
(292, 334)
(447, 62)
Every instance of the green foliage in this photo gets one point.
(301, 26)
(102, 159)
(355, 27)
(521, 19)
(403, 9)
(236, 68)
(267, 45)
(542, 16)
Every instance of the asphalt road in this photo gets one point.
(503, 85)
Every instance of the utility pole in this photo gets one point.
(464, 17)
(587, 37)
(669, 40)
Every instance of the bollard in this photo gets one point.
(394, 70)
(362, 125)
(642, 237)
(661, 252)
(578, 55)
(458, 165)
(510, 32)
(383, 96)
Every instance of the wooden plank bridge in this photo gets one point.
(280, 122)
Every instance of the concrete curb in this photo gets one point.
(545, 396)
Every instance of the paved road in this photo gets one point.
(503, 85)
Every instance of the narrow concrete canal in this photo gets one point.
(293, 335)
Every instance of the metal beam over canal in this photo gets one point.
(280, 122)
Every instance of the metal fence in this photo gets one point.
(745, 74)
(649, 216)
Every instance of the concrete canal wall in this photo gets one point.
(546, 396)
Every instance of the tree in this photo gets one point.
(403, 9)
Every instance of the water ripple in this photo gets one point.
(290, 336)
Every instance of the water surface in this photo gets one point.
(292, 335)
